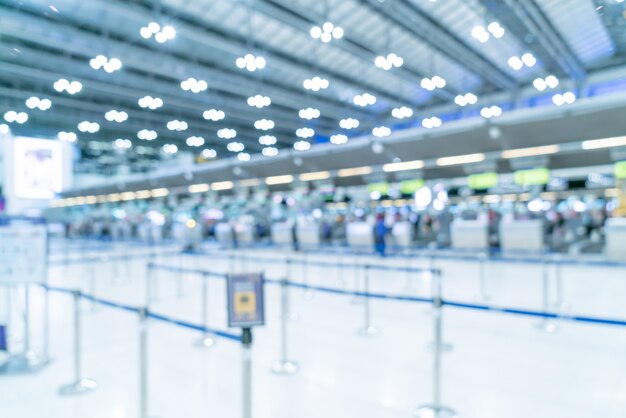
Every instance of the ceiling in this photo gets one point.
(42, 41)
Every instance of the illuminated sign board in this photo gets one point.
(410, 186)
(37, 168)
(620, 170)
(532, 177)
(482, 181)
(382, 187)
(246, 304)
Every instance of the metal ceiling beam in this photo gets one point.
(529, 13)
(409, 17)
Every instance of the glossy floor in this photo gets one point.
(501, 365)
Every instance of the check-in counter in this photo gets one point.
(402, 233)
(615, 232)
(244, 233)
(469, 234)
(282, 233)
(360, 235)
(521, 235)
(224, 234)
(308, 235)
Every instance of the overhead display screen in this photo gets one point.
(37, 168)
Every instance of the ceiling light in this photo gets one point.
(108, 65)
(250, 62)
(208, 153)
(213, 115)
(496, 30)
(491, 112)
(327, 32)
(402, 112)
(279, 180)
(565, 98)
(402, 166)
(364, 99)
(198, 188)
(63, 85)
(267, 140)
(147, 135)
(317, 175)
(432, 122)
(264, 124)
(381, 131)
(530, 152)
(67, 137)
(226, 133)
(349, 123)
(162, 192)
(529, 60)
(309, 113)
(315, 83)
(465, 99)
(516, 63)
(150, 102)
(302, 145)
(161, 35)
(4, 129)
(121, 144)
(480, 33)
(430, 84)
(617, 141)
(243, 156)
(91, 127)
(542, 83)
(338, 139)
(356, 171)
(235, 147)
(37, 103)
(269, 151)
(115, 116)
(169, 149)
(460, 159)
(305, 132)
(388, 62)
(195, 141)
(193, 85)
(259, 101)
(177, 125)
(222, 185)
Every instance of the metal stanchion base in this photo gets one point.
(434, 411)
(78, 388)
(368, 331)
(548, 327)
(285, 367)
(206, 342)
(23, 364)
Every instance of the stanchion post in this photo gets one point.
(284, 366)
(305, 267)
(231, 263)
(290, 315)
(436, 409)
(206, 341)
(368, 330)
(546, 324)
(27, 346)
(246, 375)
(143, 362)
(179, 277)
(482, 278)
(92, 286)
(560, 298)
(80, 385)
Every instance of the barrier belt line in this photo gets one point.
(175, 269)
(105, 302)
(104, 259)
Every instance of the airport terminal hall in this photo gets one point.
(312, 208)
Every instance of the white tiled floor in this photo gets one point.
(501, 365)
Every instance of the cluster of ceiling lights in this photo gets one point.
(108, 65)
(327, 32)
(482, 35)
(388, 62)
(226, 133)
(193, 85)
(543, 83)
(465, 99)
(490, 112)
(70, 87)
(235, 147)
(432, 122)
(177, 125)
(309, 113)
(122, 144)
(338, 139)
(302, 145)
(213, 115)
(430, 84)
(315, 84)
(86, 126)
(208, 153)
(67, 137)
(250, 62)
(517, 63)
(243, 156)
(565, 98)
(270, 151)
(402, 112)
(267, 140)
(4, 129)
(349, 123)
(259, 101)
(37, 103)
(150, 102)
(169, 149)
(364, 99)
(115, 116)
(264, 124)
(147, 135)
(381, 131)
(305, 132)
(195, 141)
(161, 35)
